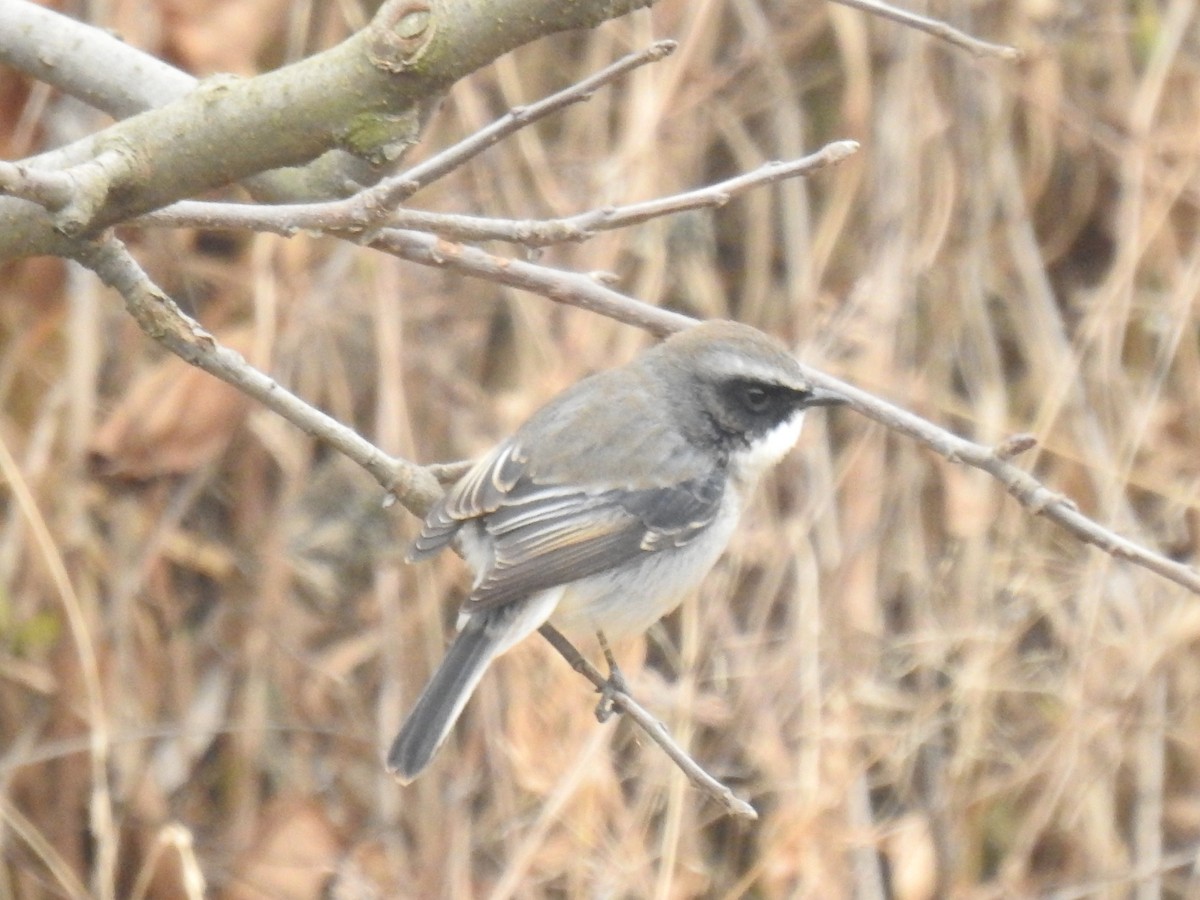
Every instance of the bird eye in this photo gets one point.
(756, 398)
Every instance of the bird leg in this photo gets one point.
(615, 684)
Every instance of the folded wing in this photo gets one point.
(543, 535)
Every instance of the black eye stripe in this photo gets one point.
(759, 400)
(740, 409)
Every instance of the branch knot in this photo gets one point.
(400, 34)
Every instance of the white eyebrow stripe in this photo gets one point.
(730, 365)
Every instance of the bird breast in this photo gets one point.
(627, 600)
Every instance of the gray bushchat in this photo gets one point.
(608, 505)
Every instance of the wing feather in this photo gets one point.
(481, 491)
(562, 535)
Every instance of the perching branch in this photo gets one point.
(415, 487)
(655, 729)
(587, 293)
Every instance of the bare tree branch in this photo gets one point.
(1025, 488)
(655, 729)
(935, 27)
(413, 486)
(86, 62)
(520, 117)
(89, 63)
(362, 210)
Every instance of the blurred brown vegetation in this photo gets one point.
(924, 690)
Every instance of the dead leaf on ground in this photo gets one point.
(174, 419)
(293, 855)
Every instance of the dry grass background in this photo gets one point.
(924, 690)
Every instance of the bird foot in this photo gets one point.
(615, 684)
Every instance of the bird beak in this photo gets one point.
(822, 397)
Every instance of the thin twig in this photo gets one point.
(935, 27)
(587, 224)
(573, 288)
(1025, 488)
(520, 117)
(351, 215)
(654, 728)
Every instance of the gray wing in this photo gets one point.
(481, 491)
(546, 535)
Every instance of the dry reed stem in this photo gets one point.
(100, 811)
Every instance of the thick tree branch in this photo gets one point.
(86, 62)
(361, 96)
(89, 63)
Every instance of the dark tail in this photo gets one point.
(444, 698)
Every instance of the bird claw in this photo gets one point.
(615, 684)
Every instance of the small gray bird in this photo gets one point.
(608, 505)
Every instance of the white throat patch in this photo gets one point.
(767, 449)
